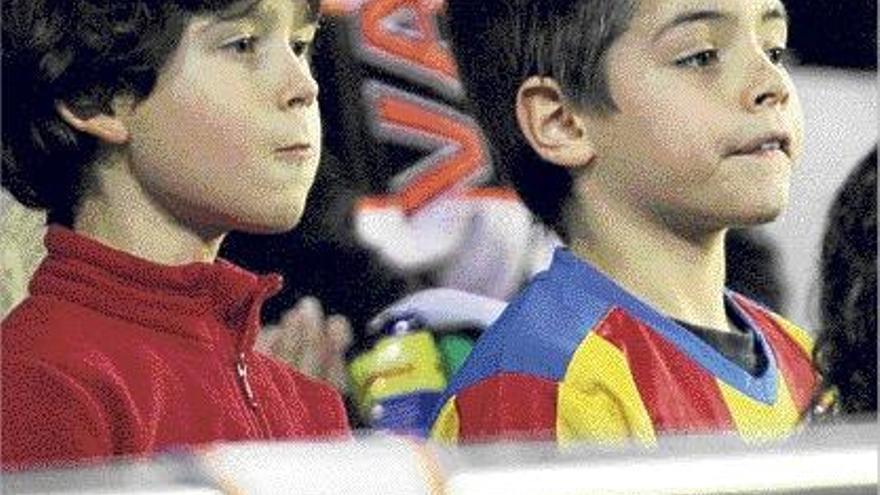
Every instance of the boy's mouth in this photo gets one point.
(764, 144)
(295, 153)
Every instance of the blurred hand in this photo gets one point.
(310, 342)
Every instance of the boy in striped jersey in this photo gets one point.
(641, 131)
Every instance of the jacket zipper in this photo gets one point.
(241, 367)
(241, 371)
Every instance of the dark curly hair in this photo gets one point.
(846, 349)
(498, 44)
(83, 53)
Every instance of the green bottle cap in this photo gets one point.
(454, 349)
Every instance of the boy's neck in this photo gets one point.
(681, 276)
(119, 213)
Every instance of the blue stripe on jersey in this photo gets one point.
(536, 335)
(567, 267)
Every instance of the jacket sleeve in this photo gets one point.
(48, 417)
(507, 406)
(329, 415)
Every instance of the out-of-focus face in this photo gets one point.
(230, 137)
(709, 125)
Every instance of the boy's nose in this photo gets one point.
(768, 88)
(299, 88)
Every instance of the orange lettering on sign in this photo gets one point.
(406, 29)
(458, 157)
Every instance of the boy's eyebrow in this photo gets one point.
(775, 12)
(255, 10)
(687, 17)
(240, 10)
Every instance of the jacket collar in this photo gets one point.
(187, 300)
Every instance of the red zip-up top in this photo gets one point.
(114, 355)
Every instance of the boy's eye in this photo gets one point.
(778, 55)
(244, 45)
(300, 48)
(704, 58)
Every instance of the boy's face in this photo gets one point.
(230, 136)
(709, 125)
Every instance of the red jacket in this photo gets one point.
(112, 354)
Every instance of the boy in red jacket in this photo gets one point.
(149, 130)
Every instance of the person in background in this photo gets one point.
(148, 131)
(846, 348)
(21, 249)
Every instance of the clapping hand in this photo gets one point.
(310, 341)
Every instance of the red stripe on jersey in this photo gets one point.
(794, 364)
(507, 406)
(679, 395)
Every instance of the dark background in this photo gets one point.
(834, 33)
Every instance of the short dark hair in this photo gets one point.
(846, 349)
(84, 53)
(498, 44)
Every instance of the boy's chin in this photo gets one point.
(752, 210)
(718, 218)
(753, 216)
(758, 219)
(270, 224)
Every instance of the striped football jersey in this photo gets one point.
(577, 357)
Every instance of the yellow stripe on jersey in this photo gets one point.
(446, 427)
(756, 421)
(798, 334)
(598, 400)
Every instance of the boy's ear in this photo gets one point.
(554, 131)
(108, 128)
